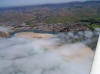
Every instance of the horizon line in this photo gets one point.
(44, 4)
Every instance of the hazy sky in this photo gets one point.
(6, 3)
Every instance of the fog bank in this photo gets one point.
(63, 53)
(44, 56)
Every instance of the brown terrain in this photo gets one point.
(64, 17)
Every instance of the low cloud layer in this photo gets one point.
(43, 56)
(65, 53)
